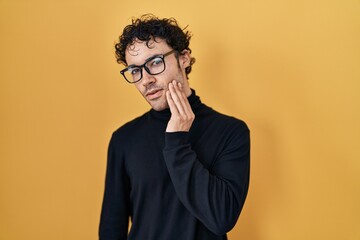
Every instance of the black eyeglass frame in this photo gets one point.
(162, 56)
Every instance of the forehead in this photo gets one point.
(137, 52)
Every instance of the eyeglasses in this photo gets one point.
(154, 65)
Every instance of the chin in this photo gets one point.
(159, 106)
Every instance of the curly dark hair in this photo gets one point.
(149, 27)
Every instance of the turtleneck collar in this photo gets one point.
(165, 114)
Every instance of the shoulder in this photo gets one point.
(235, 133)
(235, 129)
(228, 122)
(233, 122)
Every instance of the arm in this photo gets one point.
(214, 196)
(115, 208)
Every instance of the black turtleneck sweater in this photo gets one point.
(181, 185)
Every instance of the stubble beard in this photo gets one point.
(162, 103)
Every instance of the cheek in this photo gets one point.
(165, 78)
(173, 72)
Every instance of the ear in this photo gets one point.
(184, 59)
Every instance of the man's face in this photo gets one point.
(154, 87)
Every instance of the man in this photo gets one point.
(181, 170)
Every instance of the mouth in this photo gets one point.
(154, 94)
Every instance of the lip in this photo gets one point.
(154, 94)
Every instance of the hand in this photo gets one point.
(182, 115)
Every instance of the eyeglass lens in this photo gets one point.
(153, 66)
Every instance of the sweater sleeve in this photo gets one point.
(214, 197)
(115, 208)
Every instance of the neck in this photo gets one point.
(187, 88)
(188, 92)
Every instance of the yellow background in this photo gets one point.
(290, 69)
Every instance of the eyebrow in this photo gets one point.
(153, 56)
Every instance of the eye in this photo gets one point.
(134, 71)
(156, 61)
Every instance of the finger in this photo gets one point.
(182, 97)
(172, 106)
(186, 103)
(176, 97)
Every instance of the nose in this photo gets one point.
(147, 79)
